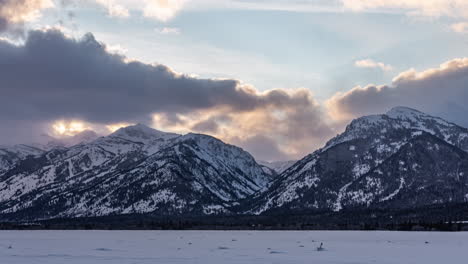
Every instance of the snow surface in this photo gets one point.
(227, 247)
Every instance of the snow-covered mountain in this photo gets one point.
(134, 170)
(48, 142)
(398, 159)
(10, 155)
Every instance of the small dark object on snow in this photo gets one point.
(190, 243)
(276, 252)
(10, 247)
(427, 242)
(320, 248)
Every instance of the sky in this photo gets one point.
(277, 78)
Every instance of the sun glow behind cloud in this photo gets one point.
(69, 128)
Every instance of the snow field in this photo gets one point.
(229, 247)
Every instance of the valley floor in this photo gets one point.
(226, 247)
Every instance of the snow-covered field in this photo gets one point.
(220, 247)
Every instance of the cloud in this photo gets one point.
(460, 27)
(433, 8)
(116, 49)
(163, 10)
(441, 91)
(288, 120)
(53, 77)
(264, 147)
(206, 126)
(277, 5)
(168, 31)
(80, 78)
(114, 9)
(15, 12)
(368, 63)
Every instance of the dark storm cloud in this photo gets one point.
(53, 76)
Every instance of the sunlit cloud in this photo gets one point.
(15, 12)
(11, 41)
(69, 128)
(116, 49)
(163, 10)
(368, 63)
(460, 27)
(293, 114)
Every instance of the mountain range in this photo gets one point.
(401, 159)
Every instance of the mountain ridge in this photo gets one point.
(135, 169)
(399, 159)
(319, 180)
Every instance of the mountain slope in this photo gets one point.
(134, 170)
(425, 171)
(401, 159)
(320, 180)
(10, 155)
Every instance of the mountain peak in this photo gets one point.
(402, 118)
(136, 128)
(405, 112)
(141, 132)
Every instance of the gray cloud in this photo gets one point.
(441, 91)
(53, 76)
(209, 125)
(263, 148)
